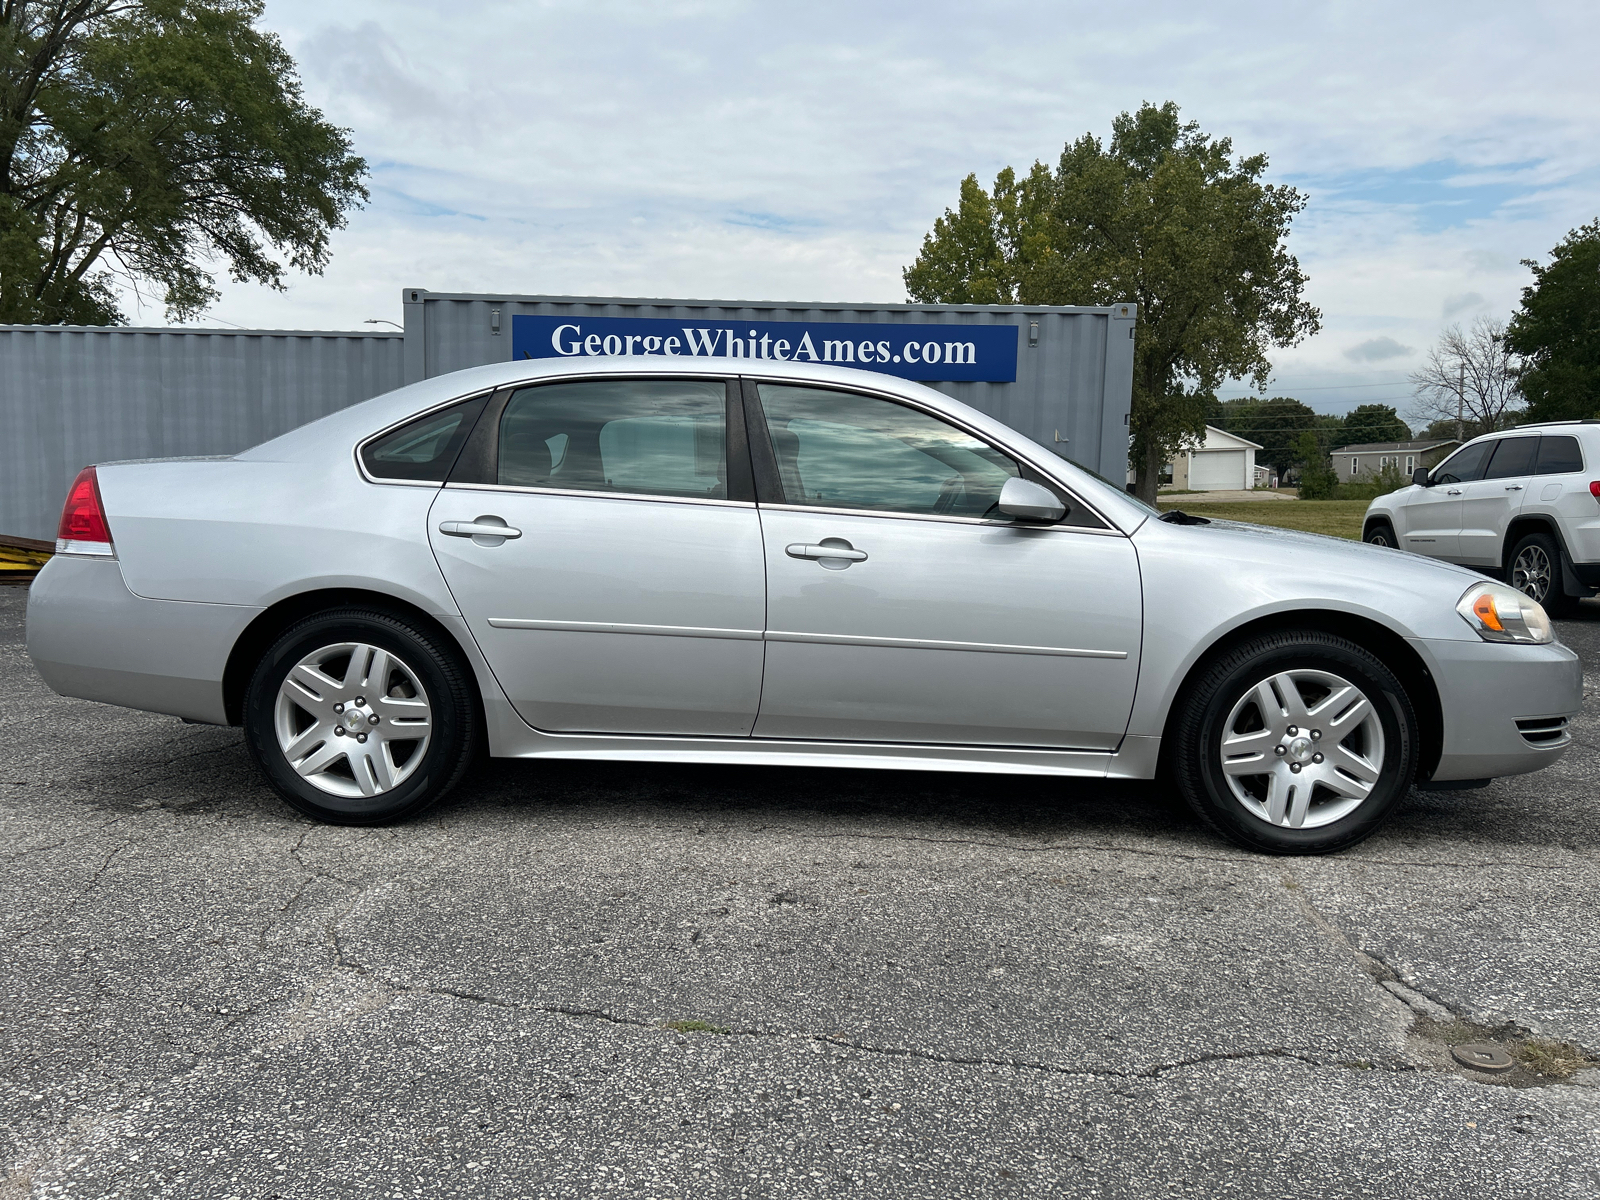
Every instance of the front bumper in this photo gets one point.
(92, 638)
(1485, 689)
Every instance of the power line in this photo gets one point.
(1338, 387)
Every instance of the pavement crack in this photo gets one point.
(1154, 1071)
(83, 893)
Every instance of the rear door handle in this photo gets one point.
(1513, 487)
(483, 527)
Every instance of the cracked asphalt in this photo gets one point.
(884, 984)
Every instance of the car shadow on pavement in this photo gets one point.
(1029, 807)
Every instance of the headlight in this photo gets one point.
(1502, 614)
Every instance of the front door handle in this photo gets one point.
(833, 553)
(492, 530)
(1452, 491)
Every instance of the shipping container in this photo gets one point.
(1061, 375)
(71, 395)
(75, 395)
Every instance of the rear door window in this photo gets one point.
(1512, 457)
(657, 437)
(1465, 464)
(1559, 454)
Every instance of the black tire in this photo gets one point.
(1203, 712)
(445, 680)
(1381, 533)
(1534, 569)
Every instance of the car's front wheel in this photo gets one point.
(358, 718)
(1381, 533)
(1299, 742)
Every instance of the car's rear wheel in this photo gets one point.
(1536, 572)
(1299, 742)
(358, 718)
(1381, 533)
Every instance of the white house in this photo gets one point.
(1224, 462)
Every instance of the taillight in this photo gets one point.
(1594, 489)
(83, 528)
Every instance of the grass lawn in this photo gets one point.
(1337, 518)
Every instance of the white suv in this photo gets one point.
(1523, 505)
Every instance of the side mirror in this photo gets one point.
(1420, 477)
(1029, 501)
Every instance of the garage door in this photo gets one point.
(1215, 469)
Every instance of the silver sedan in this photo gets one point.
(799, 566)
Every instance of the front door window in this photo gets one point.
(844, 450)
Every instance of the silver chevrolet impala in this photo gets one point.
(691, 560)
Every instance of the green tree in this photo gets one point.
(1317, 478)
(1557, 330)
(1442, 430)
(148, 141)
(1164, 216)
(1373, 423)
(1275, 425)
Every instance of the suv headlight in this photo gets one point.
(1502, 614)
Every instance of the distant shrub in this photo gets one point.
(1370, 487)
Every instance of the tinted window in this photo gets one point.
(1513, 456)
(1559, 455)
(841, 450)
(425, 448)
(1464, 465)
(658, 437)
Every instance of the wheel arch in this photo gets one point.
(1379, 518)
(252, 643)
(1520, 527)
(1390, 648)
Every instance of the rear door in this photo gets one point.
(627, 594)
(1430, 519)
(1489, 504)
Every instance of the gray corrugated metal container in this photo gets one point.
(72, 395)
(1072, 392)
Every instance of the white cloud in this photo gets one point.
(731, 149)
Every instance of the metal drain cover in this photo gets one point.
(1482, 1056)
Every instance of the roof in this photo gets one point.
(1391, 447)
(1232, 437)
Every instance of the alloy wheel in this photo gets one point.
(1302, 748)
(353, 719)
(1532, 573)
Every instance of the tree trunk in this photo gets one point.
(1148, 474)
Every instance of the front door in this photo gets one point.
(1489, 504)
(1430, 519)
(903, 608)
(627, 595)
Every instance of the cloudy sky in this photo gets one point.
(726, 150)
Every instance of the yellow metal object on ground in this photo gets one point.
(21, 558)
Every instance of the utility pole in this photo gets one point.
(1461, 397)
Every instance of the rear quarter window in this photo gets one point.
(424, 449)
(1559, 454)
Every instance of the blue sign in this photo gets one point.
(927, 353)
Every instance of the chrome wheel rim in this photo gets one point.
(353, 720)
(1531, 573)
(1302, 749)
